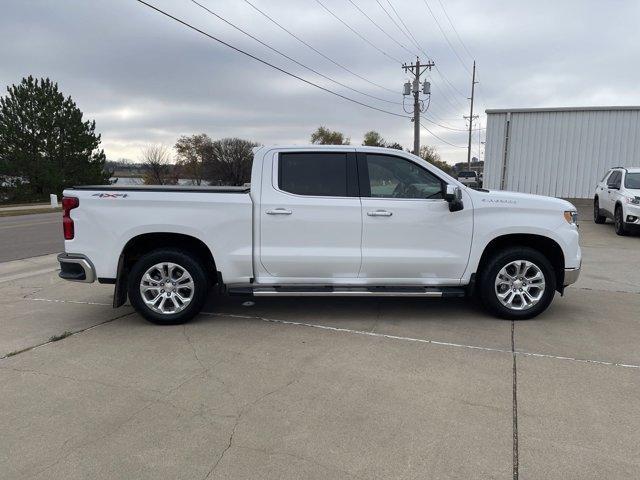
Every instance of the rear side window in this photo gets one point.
(318, 174)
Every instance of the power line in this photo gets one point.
(254, 57)
(450, 128)
(455, 30)
(357, 33)
(439, 138)
(411, 38)
(405, 27)
(380, 28)
(396, 24)
(346, 69)
(446, 37)
(290, 58)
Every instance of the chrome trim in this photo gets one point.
(272, 292)
(84, 262)
(571, 275)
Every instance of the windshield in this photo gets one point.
(467, 174)
(632, 180)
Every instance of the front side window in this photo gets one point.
(394, 177)
(604, 179)
(614, 179)
(318, 174)
(632, 180)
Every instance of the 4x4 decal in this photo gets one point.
(110, 195)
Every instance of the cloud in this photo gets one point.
(146, 79)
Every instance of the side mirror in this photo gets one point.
(613, 186)
(453, 195)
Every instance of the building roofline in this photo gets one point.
(560, 109)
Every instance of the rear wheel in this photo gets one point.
(618, 218)
(597, 217)
(517, 283)
(168, 286)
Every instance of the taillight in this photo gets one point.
(68, 204)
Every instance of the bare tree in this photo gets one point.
(231, 162)
(159, 169)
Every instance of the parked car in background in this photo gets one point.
(617, 196)
(322, 221)
(469, 178)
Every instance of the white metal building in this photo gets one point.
(561, 152)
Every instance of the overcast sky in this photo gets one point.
(146, 79)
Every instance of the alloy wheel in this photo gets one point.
(167, 288)
(520, 285)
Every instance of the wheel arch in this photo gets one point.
(146, 242)
(545, 245)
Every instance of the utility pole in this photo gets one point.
(471, 117)
(417, 69)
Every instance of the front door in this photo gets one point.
(310, 217)
(409, 235)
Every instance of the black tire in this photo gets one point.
(186, 262)
(489, 274)
(597, 216)
(618, 220)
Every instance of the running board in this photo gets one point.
(336, 291)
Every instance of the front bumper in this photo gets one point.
(571, 275)
(76, 268)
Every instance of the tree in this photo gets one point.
(158, 168)
(230, 162)
(193, 152)
(431, 155)
(324, 136)
(395, 145)
(45, 141)
(373, 139)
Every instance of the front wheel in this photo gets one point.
(168, 286)
(597, 216)
(517, 283)
(618, 220)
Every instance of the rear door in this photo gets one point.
(409, 235)
(310, 217)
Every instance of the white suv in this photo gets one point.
(618, 197)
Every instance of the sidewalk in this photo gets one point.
(14, 210)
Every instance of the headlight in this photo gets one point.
(633, 200)
(571, 216)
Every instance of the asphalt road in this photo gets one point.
(27, 236)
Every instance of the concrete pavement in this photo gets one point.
(326, 388)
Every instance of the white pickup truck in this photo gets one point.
(321, 221)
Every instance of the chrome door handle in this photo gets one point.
(278, 211)
(380, 213)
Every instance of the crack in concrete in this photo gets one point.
(73, 334)
(242, 412)
(193, 348)
(516, 465)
